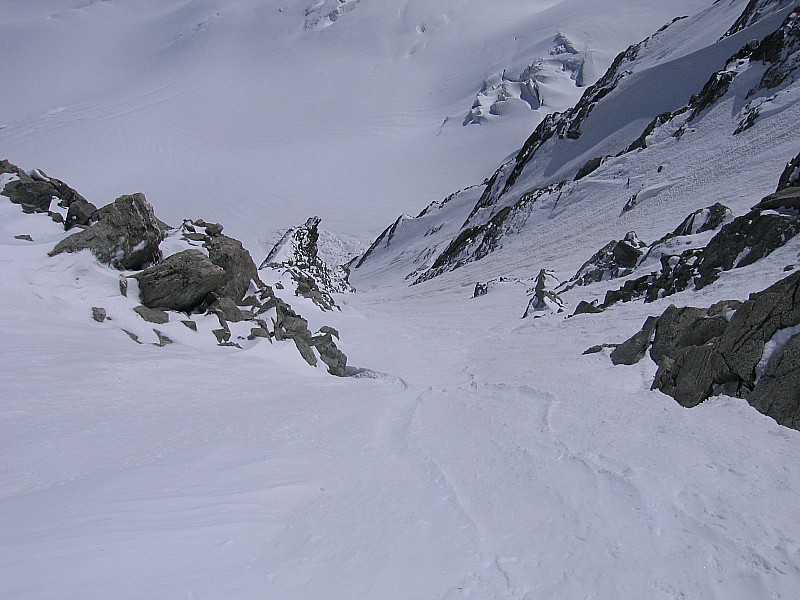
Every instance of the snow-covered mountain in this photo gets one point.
(274, 110)
(513, 363)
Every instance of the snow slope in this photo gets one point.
(480, 456)
(469, 454)
(241, 110)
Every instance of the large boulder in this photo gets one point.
(125, 235)
(182, 281)
(755, 355)
(235, 260)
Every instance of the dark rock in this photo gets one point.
(163, 340)
(32, 195)
(181, 282)
(123, 285)
(777, 392)
(704, 219)
(754, 324)
(334, 358)
(327, 329)
(590, 166)
(57, 217)
(787, 198)
(690, 377)
(79, 213)
(152, 315)
(126, 235)
(7, 167)
(297, 253)
(481, 289)
(195, 237)
(290, 325)
(700, 354)
(227, 308)
(190, 324)
(678, 328)
(544, 299)
(304, 348)
(213, 229)
(584, 308)
(99, 314)
(222, 335)
(24, 237)
(599, 348)
(791, 175)
(633, 350)
(237, 265)
(616, 259)
(258, 332)
(746, 240)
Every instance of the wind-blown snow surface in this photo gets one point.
(246, 114)
(471, 454)
(479, 456)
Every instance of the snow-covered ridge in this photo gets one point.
(544, 83)
(514, 201)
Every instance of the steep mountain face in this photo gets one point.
(675, 122)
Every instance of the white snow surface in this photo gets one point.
(470, 454)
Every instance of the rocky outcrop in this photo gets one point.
(749, 350)
(751, 237)
(181, 282)
(35, 191)
(633, 350)
(544, 299)
(298, 254)
(739, 243)
(125, 235)
(791, 175)
(32, 195)
(703, 219)
(333, 358)
(616, 259)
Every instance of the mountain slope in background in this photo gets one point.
(253, 111)
(469, 452)
(647, 168)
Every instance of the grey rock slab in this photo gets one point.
(125, 235)
(152, 315)
(181, 282)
